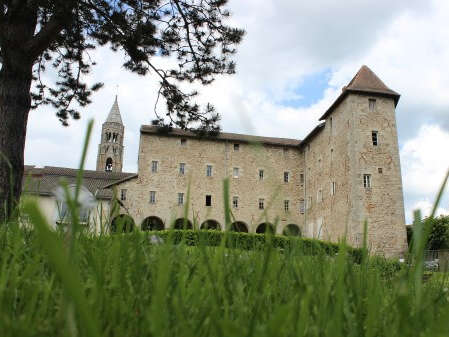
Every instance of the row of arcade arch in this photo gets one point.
(125, 223)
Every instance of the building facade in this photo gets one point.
(344, 173)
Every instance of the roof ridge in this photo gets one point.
(224, 136)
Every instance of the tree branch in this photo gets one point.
(49, 32)
(186, 26)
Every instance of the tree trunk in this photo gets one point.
(15, 102)
(16, 72)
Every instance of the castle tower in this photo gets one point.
(110, 150)
(363, 137)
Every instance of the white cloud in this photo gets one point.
(424, 163)
(426, 207)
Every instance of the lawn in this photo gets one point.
(132, 285)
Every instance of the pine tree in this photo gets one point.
(59, 34)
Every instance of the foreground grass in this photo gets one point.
(74, 284)
(130, 287)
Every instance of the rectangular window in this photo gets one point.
(286, 205)
(372, 104)
(332, 155)
(260, 174)
(333, 188)
(380, 170)
(183, 141)
(374, 136)
(123, 195)
(301, 206)
(261, 204)
(182, 168)
(152, 197)
(209, 171)
(235, 202)
(286, 177)
(236, 147)
(319, 195)
(367, 180)
(330, 125)
(154, 166)
(301, 178)
(208, 200)
(235, 172)
(180, 198)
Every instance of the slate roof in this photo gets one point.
(364, 82)
(43, 181)
(114, 115)
(222, 136)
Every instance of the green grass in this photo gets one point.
(78, 284)
(121, 285)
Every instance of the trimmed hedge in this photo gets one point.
(252, 241)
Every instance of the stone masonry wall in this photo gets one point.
(382, 204)
(197, 154)
(327, 162)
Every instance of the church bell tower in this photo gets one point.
(110, 150)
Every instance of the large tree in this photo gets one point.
(36, 35)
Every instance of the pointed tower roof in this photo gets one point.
(367, 80)
(364, 82)
(114, 115)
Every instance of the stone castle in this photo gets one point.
(344, 173)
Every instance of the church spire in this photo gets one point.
(114, 115)
(110, 149)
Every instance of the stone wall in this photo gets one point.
(382, 205)
(220, 154)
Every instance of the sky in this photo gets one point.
(291, 66)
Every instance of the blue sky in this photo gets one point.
(291, 66)
(309, 90)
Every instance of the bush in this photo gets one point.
(252, 241)
(439, 234)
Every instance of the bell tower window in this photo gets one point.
(108, 167)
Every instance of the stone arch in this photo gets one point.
(211, 225)
(265, 227)
(122, 223)
(239, 226)
(109, 164)
(292, 230)
(152, 223)
(179, 224)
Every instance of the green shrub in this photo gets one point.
(253, 241)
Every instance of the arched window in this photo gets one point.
(211, 225)
(239, 226)
(265, 228)
(152, 223)
(182, 223)
(292, 230)
(108, 167)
